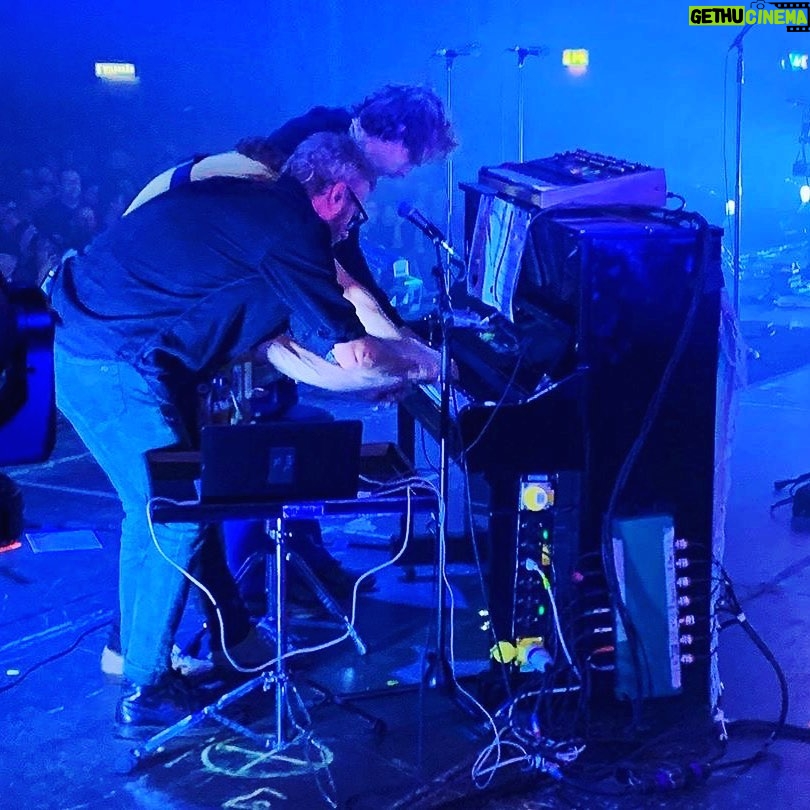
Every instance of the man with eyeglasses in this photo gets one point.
(398, 127)
(169, 294)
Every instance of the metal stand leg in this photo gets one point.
(316, 586)
(345, 702)
(281, 634)
(326, 599)
(278, 678)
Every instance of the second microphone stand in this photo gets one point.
(439, 669)
(738, 183)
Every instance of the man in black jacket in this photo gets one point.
(171, 293)
(398, 128)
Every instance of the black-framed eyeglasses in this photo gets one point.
(360, 216)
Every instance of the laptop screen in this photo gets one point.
(276, 461)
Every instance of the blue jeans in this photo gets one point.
(120, 416)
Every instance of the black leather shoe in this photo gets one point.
(143, 709)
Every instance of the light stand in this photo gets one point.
(740, 79)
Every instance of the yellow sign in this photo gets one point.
(575, 57)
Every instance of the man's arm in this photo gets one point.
(303, 366)
(370, 313)
(404, 343)
(225, 164)
(367, 364)
(274, 149)
(350, 255)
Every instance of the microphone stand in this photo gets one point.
(448, 63)
(450, 55)
(521, 103)
(740, 79)
(522, 55)
(439, 670)
(438, 673)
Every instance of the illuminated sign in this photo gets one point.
(575, 57)
(116, 71)
(576, 60)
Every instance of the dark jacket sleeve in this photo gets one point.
(283, 141)
(301, 271)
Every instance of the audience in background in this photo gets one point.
(48, 212)
(52, 206)
(67, 220)
(26, 255)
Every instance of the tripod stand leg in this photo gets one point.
(377, 724)
(155, 743)
(326, 599)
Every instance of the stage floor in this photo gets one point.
(58, 749)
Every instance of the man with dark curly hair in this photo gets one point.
(398, 127)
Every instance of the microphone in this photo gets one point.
(417, 218)
(473, 49)
(529, 50)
